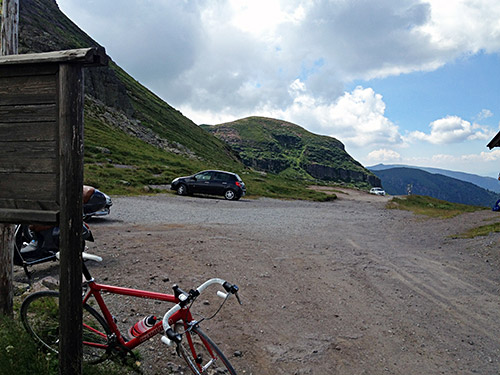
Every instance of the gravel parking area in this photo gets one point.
(342, 287)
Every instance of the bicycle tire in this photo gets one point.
(207, 358)
(40, 317)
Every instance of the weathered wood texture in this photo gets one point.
(6, 266)
(85, 56)
(8, 46)
(10, 25)
(71, 219)
(29, 143)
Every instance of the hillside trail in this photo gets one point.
(354, 288)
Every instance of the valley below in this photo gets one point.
(342, 287)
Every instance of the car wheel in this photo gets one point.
(182, 189)
(229, 195)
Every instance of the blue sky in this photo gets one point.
(463, 88)
(409, 81)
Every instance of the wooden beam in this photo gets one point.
(71, 217)
(10, 26)
(93, 56)
(495, 142)
(8, 46)
(30, 216)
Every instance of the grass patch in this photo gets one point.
(431, 207)
(20, 355)
(273, 186)
(483, 230)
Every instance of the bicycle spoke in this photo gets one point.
(202, 355)
(40, 317)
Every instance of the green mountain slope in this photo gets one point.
(396, 180)
(120, 112)
(289, 150)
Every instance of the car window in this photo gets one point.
(204, 176)
(221, 176)
(224, 177)
(238, 178)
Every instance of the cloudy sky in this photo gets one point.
(397, 81)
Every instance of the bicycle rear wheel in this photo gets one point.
(40, 317)
(202, 355)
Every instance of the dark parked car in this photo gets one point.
(227, 184)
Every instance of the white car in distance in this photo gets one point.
(377, 191)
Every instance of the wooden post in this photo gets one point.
(9, 46)
(10, 23)
(43, 93)
(71, 218)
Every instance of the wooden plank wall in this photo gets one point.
(29, 165)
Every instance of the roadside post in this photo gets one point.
(8, 46)
(41, 166)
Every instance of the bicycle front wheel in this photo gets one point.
(40, 317)
(202, 355)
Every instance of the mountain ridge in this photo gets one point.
(488, 183)
(397, 180)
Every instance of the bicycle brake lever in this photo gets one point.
(238, 298)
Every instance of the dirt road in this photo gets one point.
(343, 287)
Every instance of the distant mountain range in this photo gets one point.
(397, 180)
(488, 183)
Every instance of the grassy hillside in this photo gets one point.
(396, 180)
(168, 123)
(291, 151)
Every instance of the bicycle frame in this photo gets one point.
(95, 290)
(180, 312)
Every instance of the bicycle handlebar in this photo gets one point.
(171, 335)
(85, 256)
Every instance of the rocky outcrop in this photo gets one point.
(323, 172)
(43, 28)
(268, 165)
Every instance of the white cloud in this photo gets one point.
(484, 163)
(249, 15)
(484, 114)
(451, 129)
(239, 56)
(384, 155)
(484, 156)
(356, 118)
(464, 25)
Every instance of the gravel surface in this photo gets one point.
(342, 287)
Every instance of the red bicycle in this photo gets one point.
(103, 340)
